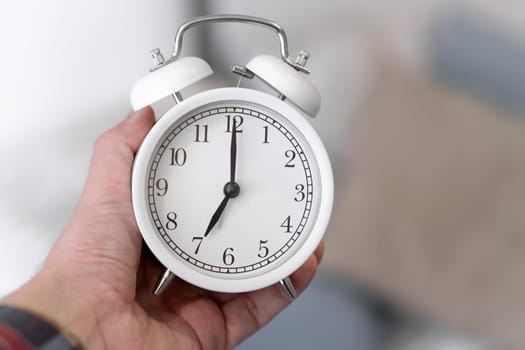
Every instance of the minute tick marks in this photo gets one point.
(252, 218)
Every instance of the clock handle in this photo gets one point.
(234, 19)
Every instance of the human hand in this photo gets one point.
(97, 280)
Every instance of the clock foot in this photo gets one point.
(163, 282)
(288, 288)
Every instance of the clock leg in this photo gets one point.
(288, 288)
(163, 282)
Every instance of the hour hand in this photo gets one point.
(231, 190)
(216, 216)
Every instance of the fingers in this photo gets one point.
(103, 222)
(223, 298)
(249, 312)
(110, 173)
(319, 252)
(239, 314)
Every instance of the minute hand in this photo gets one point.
(233, 152)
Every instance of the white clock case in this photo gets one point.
(162, 251)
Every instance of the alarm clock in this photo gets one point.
(232, 188)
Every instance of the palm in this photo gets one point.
(184, 316)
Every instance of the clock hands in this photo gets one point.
(231, 189)
(233, 152)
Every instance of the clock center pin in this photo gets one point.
(232, 189)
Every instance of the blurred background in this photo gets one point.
(423, 117)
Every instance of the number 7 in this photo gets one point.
(198, 244)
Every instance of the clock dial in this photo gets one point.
(189, 189)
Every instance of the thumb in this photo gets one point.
(109, 178)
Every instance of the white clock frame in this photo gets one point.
(159, 247)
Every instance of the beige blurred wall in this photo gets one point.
(433, 212)
(429, 178)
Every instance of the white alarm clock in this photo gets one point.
(232, 188)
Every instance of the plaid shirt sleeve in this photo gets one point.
(22, 330)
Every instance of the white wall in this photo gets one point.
(66, 68)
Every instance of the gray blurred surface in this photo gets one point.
(66, 69)
(486, 59)
(331, 314)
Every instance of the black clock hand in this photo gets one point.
(231, 190)
(215, 217)
(233, 152)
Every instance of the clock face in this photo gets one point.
(207, 228)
